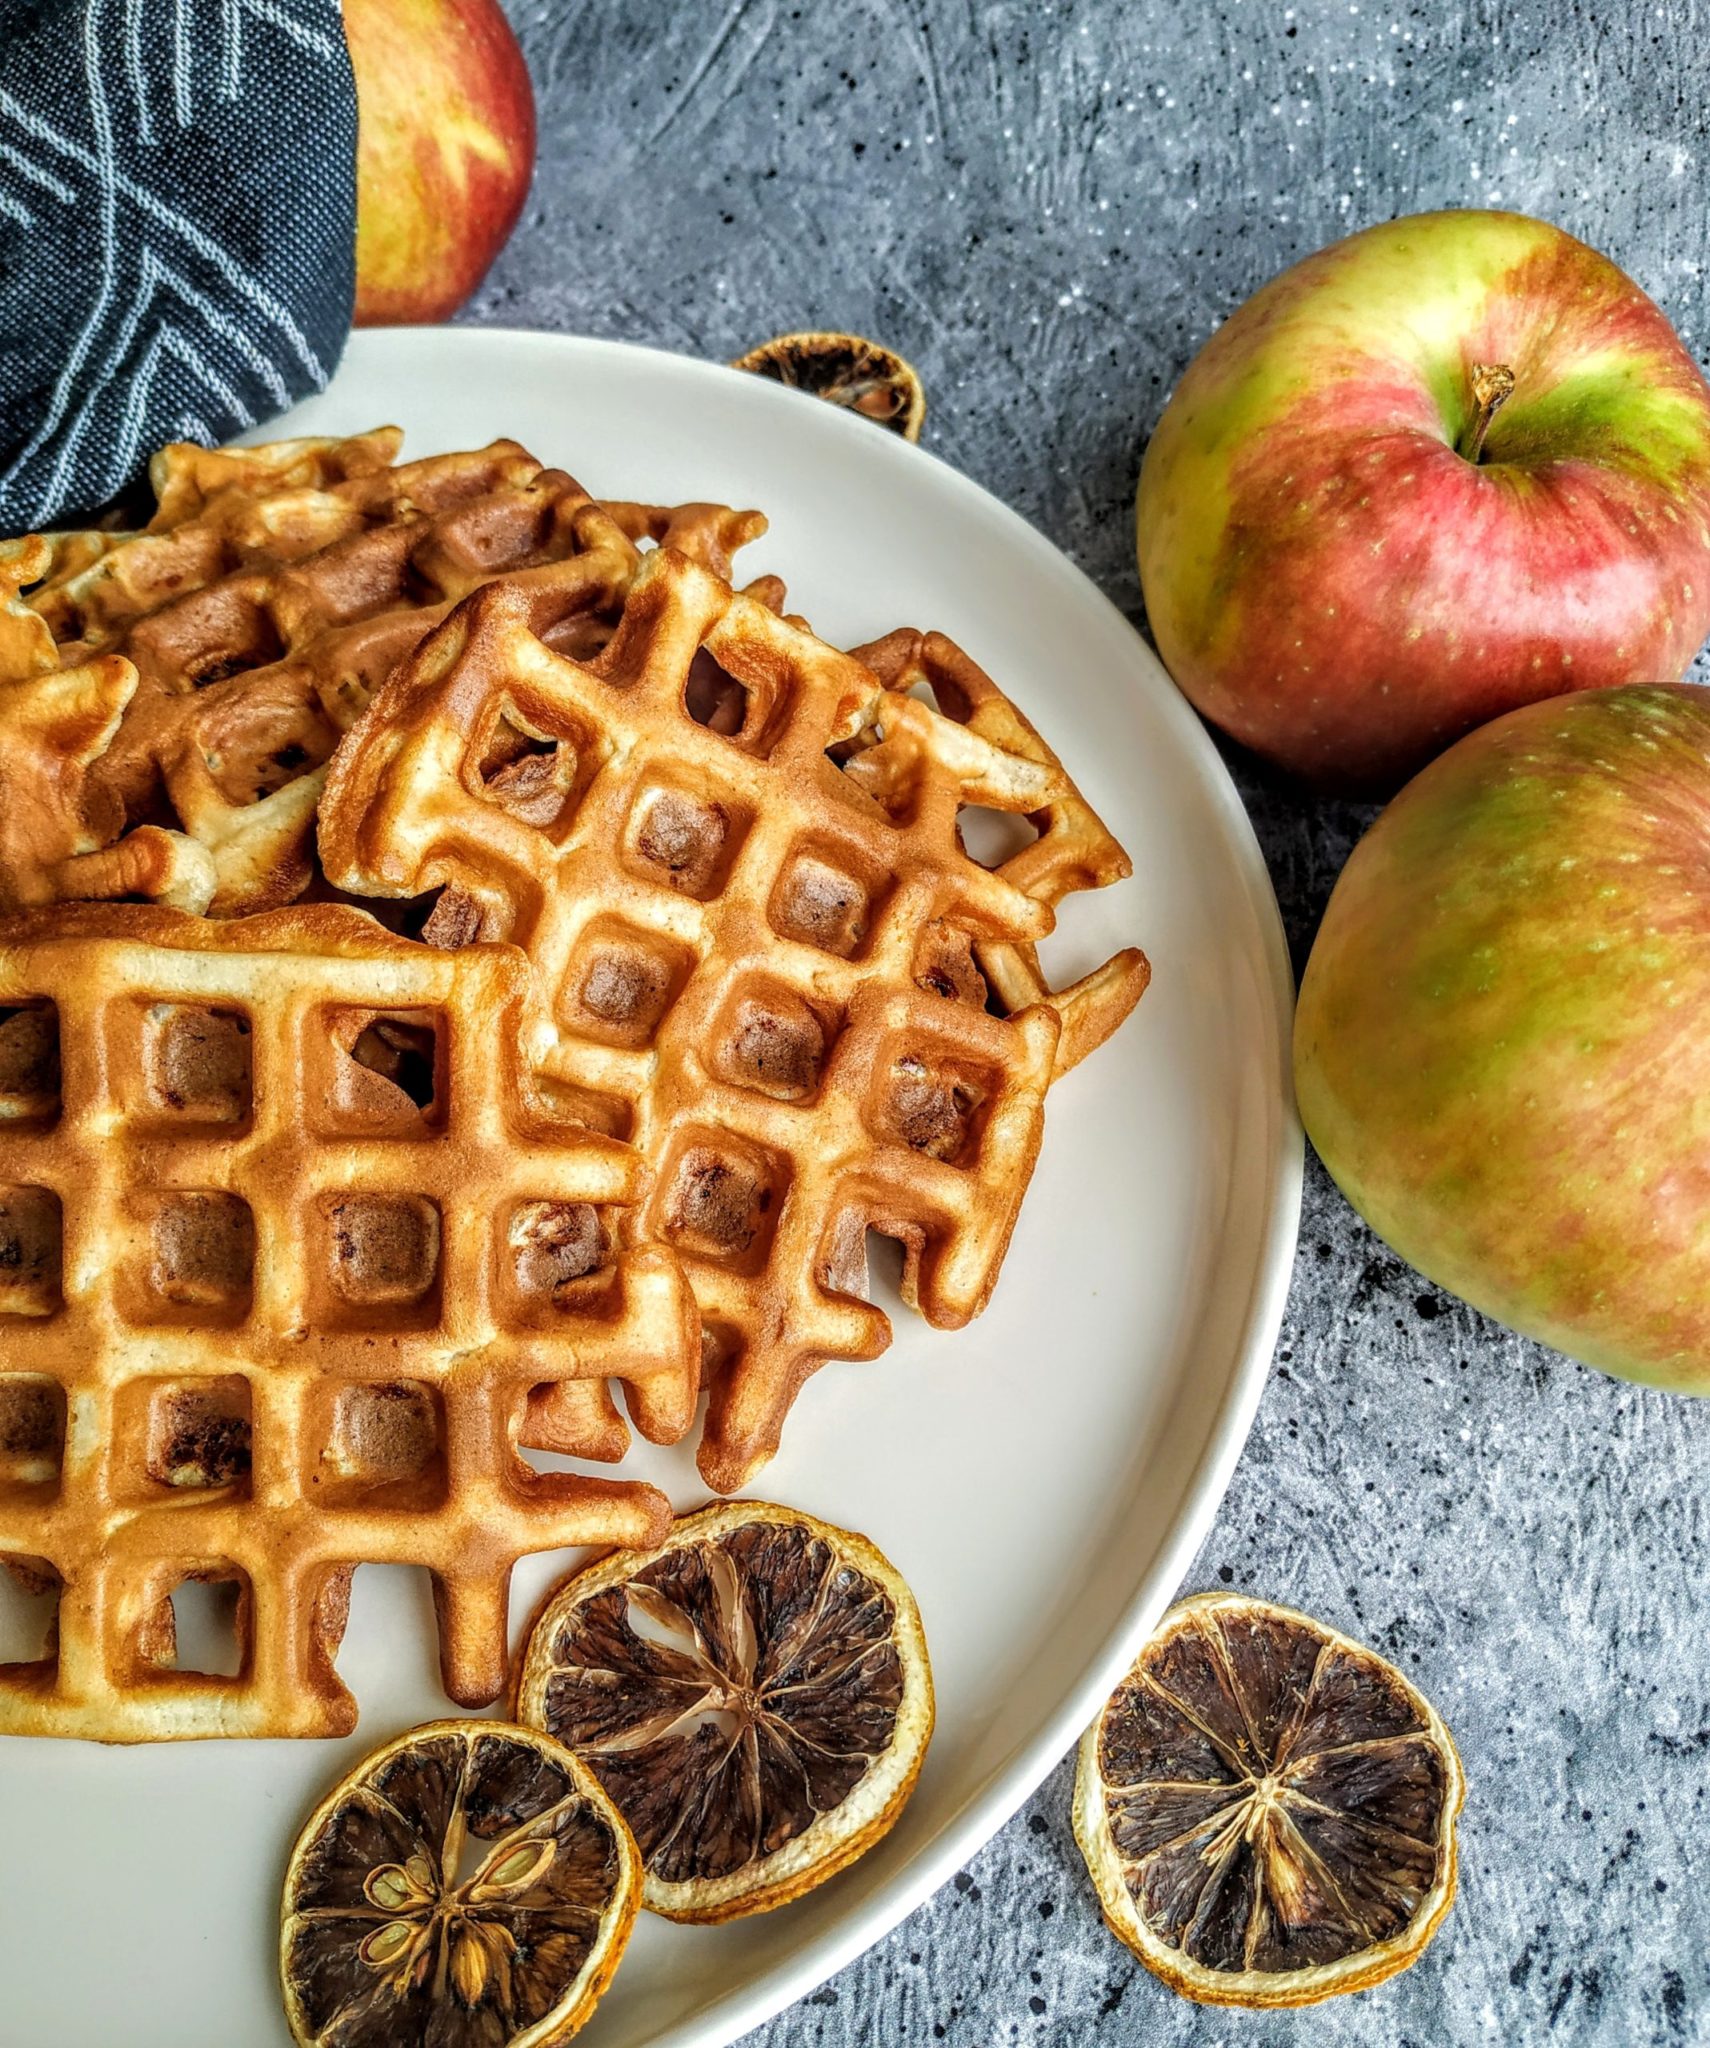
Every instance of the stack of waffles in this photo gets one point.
(461, 952)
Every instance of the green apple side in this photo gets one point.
(1349, 559)
(1500, 1050)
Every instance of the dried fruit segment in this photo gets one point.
(864, 378)
(755, 1696)
(1267, 1809)
(468, 1884)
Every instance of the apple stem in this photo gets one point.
(1492, 387)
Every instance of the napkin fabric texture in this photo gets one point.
(177, 232)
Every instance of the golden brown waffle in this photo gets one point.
(742, 946)
(1072, 848)
(63, 700)
(55, 722)
(289, 1245)
(1062, 849)
(712, 535)
(270, 593)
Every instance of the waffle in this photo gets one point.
(289, 1249)
(1072, 849)
(270, 593)
(733, 858)
(57, 721)
(1064, 848)
(712, 535)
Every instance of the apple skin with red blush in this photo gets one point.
(1445, 467)
(445, 151)
(1499, 1050)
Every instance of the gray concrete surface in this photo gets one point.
(1048, 208)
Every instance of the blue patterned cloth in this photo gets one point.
(177, 231)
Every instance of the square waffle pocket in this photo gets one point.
(737, 868)
(289, 1252)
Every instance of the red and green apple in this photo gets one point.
(445, 151)
(1445, 467)
(1500, 1049)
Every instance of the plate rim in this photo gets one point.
(731, 2014)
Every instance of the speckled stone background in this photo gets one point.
(1048, 208)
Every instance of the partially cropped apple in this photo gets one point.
(1500, 1050)
(1447, 466)
(445, 151)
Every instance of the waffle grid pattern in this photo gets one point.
(342, 1380)
(740, 948)
(308, 1232)
(1072, 849)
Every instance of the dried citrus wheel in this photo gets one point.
(862, 376)
(1267, 1808)
(754, 1695)
(468, 1884)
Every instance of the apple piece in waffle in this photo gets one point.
(1072, 848)
(737, 946)
(289, 1251)
(271, 592)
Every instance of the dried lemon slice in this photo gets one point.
(754, 1695)
(1267, 1808)
(863, 377)
(469, 1883)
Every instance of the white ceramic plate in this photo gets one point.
(1042, 1478)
